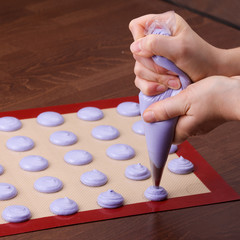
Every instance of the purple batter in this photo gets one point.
(63, 206)
(33, 163)
(138, 127)
(110, 199)
(50, 119)
(155, 193)
(120, 152)
(7, 191)
(78, 157)
(180, 166)
(137, 172)
(128, 109)
(94, 178)
(20, 143)
(90, 114)
(8, 124)
(63, 138)
(159, 135)
(1, 169)
(48, 184)
(16, 213)
(173, 148)
(105, 132)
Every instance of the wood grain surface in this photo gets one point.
(225, 11)
(67, 51)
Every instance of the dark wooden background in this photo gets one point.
(67, 51)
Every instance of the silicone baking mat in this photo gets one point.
(204, 186)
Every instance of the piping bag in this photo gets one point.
(159, 135)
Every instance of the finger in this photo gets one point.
(149, 63)
(167, 80)
(168, 108)
(167, 20)
(137, 26)
(149, 88)
(156, 45)
(185, 127)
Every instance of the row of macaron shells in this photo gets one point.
(61, 206)
(52, 119)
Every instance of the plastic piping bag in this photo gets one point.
(159, 135)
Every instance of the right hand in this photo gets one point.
(193, 55)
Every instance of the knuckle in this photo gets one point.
(131, 24)
(137, 70)
(149, 42)
(149, 89)
(146, 88)
(188, 94)
(165, 111)
(160, 78)
(159, 69)
(136, 82)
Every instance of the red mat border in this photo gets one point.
(220, 190)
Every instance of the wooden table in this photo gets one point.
(61, 52)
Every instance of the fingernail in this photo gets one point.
(149, 116)
(135, 47)
(174, 83)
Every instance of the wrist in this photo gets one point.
(228, 61)
(230, 99)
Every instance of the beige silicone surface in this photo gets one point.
(86, 197)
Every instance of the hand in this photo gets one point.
(193, 55)
(201, 107)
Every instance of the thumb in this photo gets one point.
(168, 108)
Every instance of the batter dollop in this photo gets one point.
(9, 124)
(128, 109)
(7, 191)
(78, 157)
(120, 152)
(105, 132)
(94, 178)
(90, 114)
(63, 138)
(137, 172)
(16, 213)
(64, 206)
(110, 199)
(48, 184)
(180, 166)
(50, 119)
(20, 143)
(138, 127)
(155, 193)
(33, 163)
